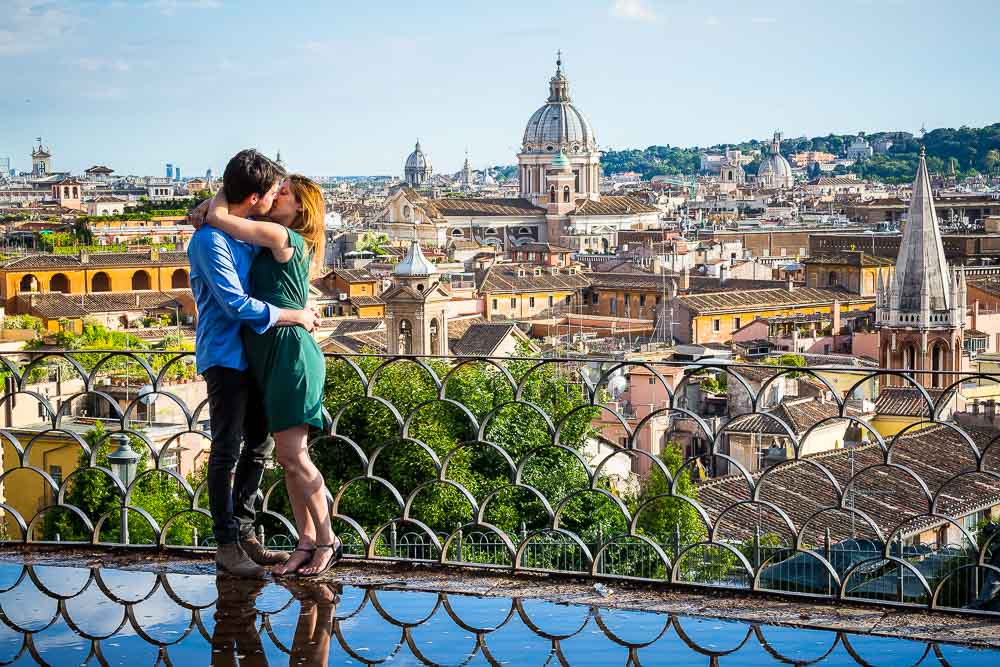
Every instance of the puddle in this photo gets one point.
(70, 615)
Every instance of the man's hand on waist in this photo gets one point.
(305, 318)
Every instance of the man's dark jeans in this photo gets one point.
(240, 441)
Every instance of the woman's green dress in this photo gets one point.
(286, 361)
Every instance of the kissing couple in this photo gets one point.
(256, 244)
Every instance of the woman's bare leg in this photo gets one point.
(307, 493)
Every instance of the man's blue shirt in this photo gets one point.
(220, 280)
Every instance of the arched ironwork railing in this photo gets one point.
(755, 477)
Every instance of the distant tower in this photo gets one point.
(41, 160)
(417, 170)
(920, 311)
(277, 158)
(774, 170)
(208, 174)
(170, 171)
(416, 307)
(177, 173)
(466, 173)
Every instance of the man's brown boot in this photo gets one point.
(259, 554)
(231, 559)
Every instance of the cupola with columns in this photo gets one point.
(416, 307)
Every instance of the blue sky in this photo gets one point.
(346, 87)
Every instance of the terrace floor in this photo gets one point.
(62, 606)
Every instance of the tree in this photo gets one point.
(514, 428)
(667, 517)
(373, 243)
(92, 492)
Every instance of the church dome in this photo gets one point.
(774, 170)
(558, 124)
(417, 159)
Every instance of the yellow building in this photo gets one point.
(57, 453)
(713, 317)
(89, 273)
(525, 291)
(346, 292)
(900, 407)
(851, 270)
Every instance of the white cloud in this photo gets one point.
(171, 7)
(101, 65)
(763, 19)
(635, 10)
(33, 25)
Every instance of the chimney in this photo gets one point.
(85, 257)
(836, 317)
(684, 283)
(789, 283)
(154, 254)
(723, 273)
(655, 265)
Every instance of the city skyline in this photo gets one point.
(643, 72)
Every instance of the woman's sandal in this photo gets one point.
(338, 553)
(305, 550)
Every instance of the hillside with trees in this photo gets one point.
(968, 151)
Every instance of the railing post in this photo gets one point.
(392, 540)
(194, 536)
(459, 526)
(260, 533)
(756, 549)
(902, 580)
(677, 543)
(600, 543)
(827, 552)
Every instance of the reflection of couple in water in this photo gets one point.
(236, 637)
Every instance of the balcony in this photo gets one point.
(520, 465)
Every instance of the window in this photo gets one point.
(531, 302)
(513, 303)
(659, 300)
(496, 303)
(642, 300)
(551, 300)
(57, 474)
(170, 461)
(595, 298)
(569, 299)
(736, 322)
(627, 300)
(716, 324)
(652, 380)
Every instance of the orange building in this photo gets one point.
(88, 273)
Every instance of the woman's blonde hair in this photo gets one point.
(311, 220)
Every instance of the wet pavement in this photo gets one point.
(71, 615)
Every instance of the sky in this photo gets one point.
(346, 88)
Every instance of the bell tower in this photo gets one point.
(920, 311)
(416, 307)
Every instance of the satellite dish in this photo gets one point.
(147, 396)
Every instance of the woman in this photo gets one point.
(286, 361)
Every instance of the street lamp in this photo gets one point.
(124, 462)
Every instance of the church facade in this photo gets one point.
(559, 193)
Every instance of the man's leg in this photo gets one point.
(257, 448)
(227, 403)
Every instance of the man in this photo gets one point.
(220, 273)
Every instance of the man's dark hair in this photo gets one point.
(250, 172)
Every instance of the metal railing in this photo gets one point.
(481, 462)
